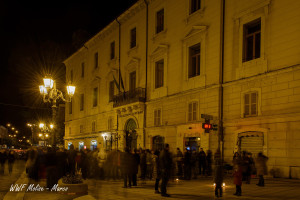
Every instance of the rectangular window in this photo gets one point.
(132, 81)
(160, 21)
(71, 76)
(81, 102)
(112, 50)
(157, 117)
(159, 74)
(111, 90)
(81, 128)
(70, 107)
(252, 38)
(96, 60)
(195, 5)
(110, 124)
(194, 60)
(95, 97)
(82, 69)
(193, 111)
(250, 104)
(93, 126)
(133, 38)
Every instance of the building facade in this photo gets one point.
(151, 75)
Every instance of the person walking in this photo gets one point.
(202, 162)
(165, 164)
(261, 168)
(187, 164)
(136, 162)
(11, 159)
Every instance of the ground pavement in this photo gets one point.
(6, 179)
(202, 188)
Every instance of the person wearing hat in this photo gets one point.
(165, 163)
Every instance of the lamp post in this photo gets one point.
(45, 130)
(51, 94)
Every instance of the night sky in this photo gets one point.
(36, 36)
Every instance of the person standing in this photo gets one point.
(136, 162)
(156, 170)
(126, 163)
(3, 157)
(11, 159)
(187, 164)
(218, 174)
(237, 180)
(261, 167)
(202, 161)
(179, 159)
(165, 163)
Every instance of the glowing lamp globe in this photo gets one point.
(43, 90)
(71, 90)
(48, 82)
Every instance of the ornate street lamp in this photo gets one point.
(51, 94)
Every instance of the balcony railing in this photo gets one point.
(131, 96)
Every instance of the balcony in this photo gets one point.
(132, 96)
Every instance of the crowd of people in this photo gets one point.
(129, 165)
(10, 156)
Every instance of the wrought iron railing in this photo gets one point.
(131, 96)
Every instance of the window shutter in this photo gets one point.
(247, 102)
(195, 111)
(253, 103)
(158, 117)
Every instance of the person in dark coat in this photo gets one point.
(51, 167)
(179, 161)
(127, 160)
(218, 174)
(11, 159)
(187, 164)
(237, 180)
(61, 164)
(165, 163)
(136, 162)
(143, 164)
(202, 162)
(71, 159)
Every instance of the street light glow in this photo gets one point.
(8, 125)
(43, 89)
(48, 82)
(41, 125)
(17, 131)
(12, 128)
(51, 126)
(47, 135)
(71, 90)
(40, 135)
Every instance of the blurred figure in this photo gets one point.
(136, 162)
(61, 164)
(156, 170)
(179, 161)
(165, 164)
(149, 164)
(71, 160)
(187, 164)
(245, 165)
(251, 168)
(194, 164)
(126, 164)
(208, 162)
(11, 159)
(143, 164)
(236, 161)
(261, 167)
(31, 164)
(51, 167)
(218, 174)
(237, 179)
(3, 157)
(202, 162)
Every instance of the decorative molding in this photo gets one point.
(252, 9)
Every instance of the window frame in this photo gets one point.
(193, 114)
(159, 73)
(197, 68)
(157, 117)
(95, 97)
(112, 50)
(96, 60)
(131, 88)
(81, 104)
(198, 7)
(160, 21)
(250, 104)
(247, 35)
(132, 38)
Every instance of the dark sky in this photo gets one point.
(36, 36)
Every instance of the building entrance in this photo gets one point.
(130, 134)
